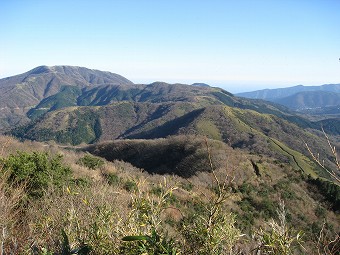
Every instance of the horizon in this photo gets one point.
(241, 87)
(239, 46)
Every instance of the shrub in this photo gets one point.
(219, 237)
(154, 244)
(130, 186)
(279, 238)
(156, 190)
(91, 162)
(320, 211)
(112, 179)
(37, 171)
(145, 223)
(82, 182)
(188, 186)
(214, 230)
(329, 190)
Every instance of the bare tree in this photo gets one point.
(335, 174)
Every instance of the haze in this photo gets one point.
(237, 45)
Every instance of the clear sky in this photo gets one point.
(239, 45)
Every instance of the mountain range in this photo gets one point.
(74, 105)
(202, 139)
(307, 99)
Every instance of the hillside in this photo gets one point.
(101, 106)
(155, 160)
(93, 106)
(73, 200)
(257, 133)
(20, 93)
(45, 89)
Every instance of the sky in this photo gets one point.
(239, 45)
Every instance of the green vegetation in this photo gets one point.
(209, 129)
(329, 190)
(83, 126)
(91, 162)
(65, 98)
(179, 193)
(296, 159)
(112, 179)
(280, 238)
(35, 171)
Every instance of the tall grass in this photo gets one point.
(10, 210)
(113, 208)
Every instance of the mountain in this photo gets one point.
(262, 134)
(195, 136)
(306, 99)
(271, 94)
(20, 93)
(45, 89)
(80, 105)
(189, 143)
(309, 100)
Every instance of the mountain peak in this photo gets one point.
(39, 70)
(200, 84)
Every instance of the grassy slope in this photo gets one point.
(109, 190)
(241, 128)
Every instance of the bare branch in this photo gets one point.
(316, 158)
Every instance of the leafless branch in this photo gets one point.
(316, 158)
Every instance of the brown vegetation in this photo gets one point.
(215, 210)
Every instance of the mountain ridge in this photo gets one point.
(267, 94)
(318, 100)
(20, 93)
(80, 105)
(307, 100)
(36, 92)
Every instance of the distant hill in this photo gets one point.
(307, 99)
(310, 100)
(20, 93)
(44, 89)
(271, 94)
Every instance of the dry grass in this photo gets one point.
(10, 201)
(100, 214)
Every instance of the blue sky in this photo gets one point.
(238, 45)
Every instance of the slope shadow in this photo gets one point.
(169, 128)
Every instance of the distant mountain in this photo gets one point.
(327, 110)
(45, 89)
(20, 93)
(271, 94)
(310, 100)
